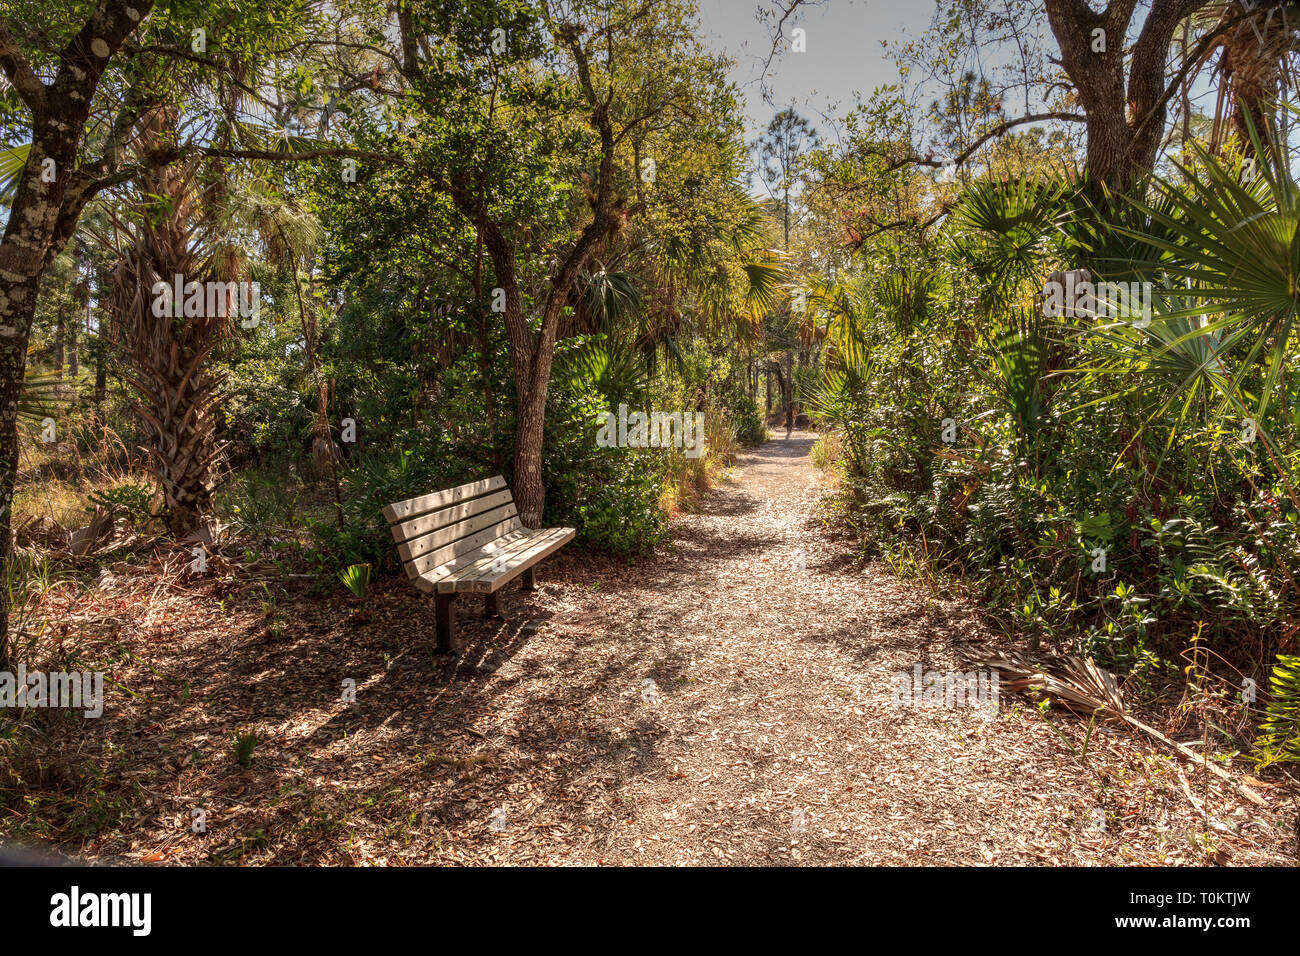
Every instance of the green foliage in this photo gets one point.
(266, 411)
(377, 478)
(356, 578)
(12, 161)
(1017, 372)
(243, 743)
(1279, 737)
(1001, 232)
(614, 371)
(261, 502)
(746, 419)
(131, 498)
(622, 514)
(1232, 240)
(378, 294)
(1095, 481)
(610, 495)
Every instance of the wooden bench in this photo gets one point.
(468, 539)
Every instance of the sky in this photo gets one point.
(844, 55)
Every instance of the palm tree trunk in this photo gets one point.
(168, 356)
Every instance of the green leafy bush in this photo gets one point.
(1089, 481)
(375, 479)
(610, 495)
(130, 498)
(747, 420)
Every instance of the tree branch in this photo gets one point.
(1001, 129)
(19, 71)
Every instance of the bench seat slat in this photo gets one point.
(501, 565)
(402, 510)
(541, 548)
(493, 553)
(428, 581)
(449, 554)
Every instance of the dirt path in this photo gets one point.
(727, 702)
(736, 706)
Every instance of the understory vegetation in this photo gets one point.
(1115, 477)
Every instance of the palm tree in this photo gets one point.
(1225, 241)
(1254, 65)
(716, 277)
(1231, 240)
(167, 356)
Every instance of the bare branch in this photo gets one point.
(993, 132)
(777, 36)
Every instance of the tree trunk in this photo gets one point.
(530, 420)
(803, 365)
(74, 356)
(17, 310)
(24, 253)
(101, 376)
(103, 337)
(1125, 121)
(484, 347)
(787, 396)
(534, 353)
(324, 452)
(43, 214)
(181, 446)
(81, 312)
(60, 337)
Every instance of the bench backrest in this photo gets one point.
(432, 530)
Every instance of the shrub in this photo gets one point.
(610, 495)
(132, 499)
(746, 420)
(375, 479)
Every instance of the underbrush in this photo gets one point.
(1117, 479)
(58, 783)
(1086, 540)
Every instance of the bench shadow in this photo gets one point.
(463, 690)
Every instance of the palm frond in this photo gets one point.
(613, 369)
(12, 161)
(1234, 242)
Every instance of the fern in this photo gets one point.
(1279, 737)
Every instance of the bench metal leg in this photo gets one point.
(529, 578)
(446, 618)
(490, 608)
